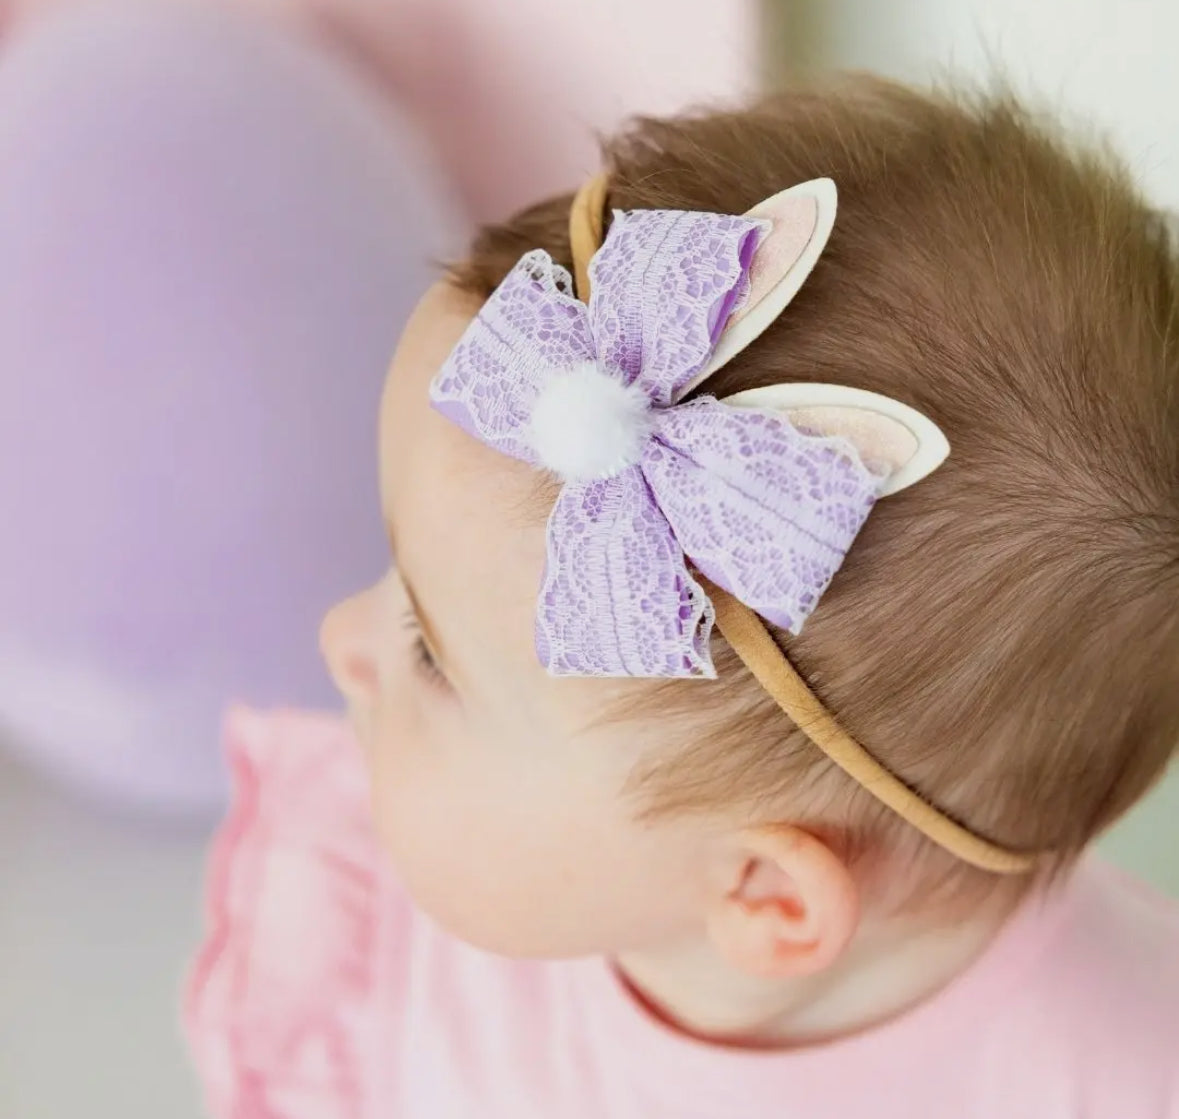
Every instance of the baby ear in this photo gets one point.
(892, 439)
(799, 222)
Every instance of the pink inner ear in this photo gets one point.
(794, 219)
(885, 445)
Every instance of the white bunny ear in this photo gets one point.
(891, 438)
(800, 221)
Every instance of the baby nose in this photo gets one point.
(347, 641)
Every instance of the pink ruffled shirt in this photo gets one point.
(321, 994)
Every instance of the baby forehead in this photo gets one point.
(431, 332)
(459, 479)
(479, 509)
(469, 521)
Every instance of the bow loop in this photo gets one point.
(664, 285)
(531, 329)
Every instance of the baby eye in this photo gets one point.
(424, 661)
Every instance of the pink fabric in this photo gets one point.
(321, 993)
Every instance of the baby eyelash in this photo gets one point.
(423, 659)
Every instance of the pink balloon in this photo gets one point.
(210, 237)
(513, 92)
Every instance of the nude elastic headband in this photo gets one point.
(749, 637)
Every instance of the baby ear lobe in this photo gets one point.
(892, 439)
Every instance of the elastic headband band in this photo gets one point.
(586, 220)
(759, 652)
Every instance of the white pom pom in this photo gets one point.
(587, 425)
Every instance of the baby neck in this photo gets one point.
(885, 971)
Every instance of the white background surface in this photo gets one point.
(1106, 63)
(97, 918)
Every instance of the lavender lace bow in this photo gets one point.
(761, 509)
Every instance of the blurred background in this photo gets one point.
(214, 217)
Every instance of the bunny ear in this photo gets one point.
(891, 438)
(800, 221)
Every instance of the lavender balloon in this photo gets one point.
(209, 239)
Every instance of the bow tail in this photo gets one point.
(617, 597)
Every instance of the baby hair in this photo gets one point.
(1005, 636)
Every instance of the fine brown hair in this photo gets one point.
(1005, 635)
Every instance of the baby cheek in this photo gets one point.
(417, 774)
(459, 855)
(395, 729)
(438, 852)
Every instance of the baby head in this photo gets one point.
(1002, 637)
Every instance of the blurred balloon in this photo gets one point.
(511, 92)
(210, 236)
(214, 218)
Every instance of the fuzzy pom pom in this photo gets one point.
(588, 425)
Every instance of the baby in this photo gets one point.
(786, 536)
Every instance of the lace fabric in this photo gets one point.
(662, 288)
(617, 597)
(762, 509)
(530, 327)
